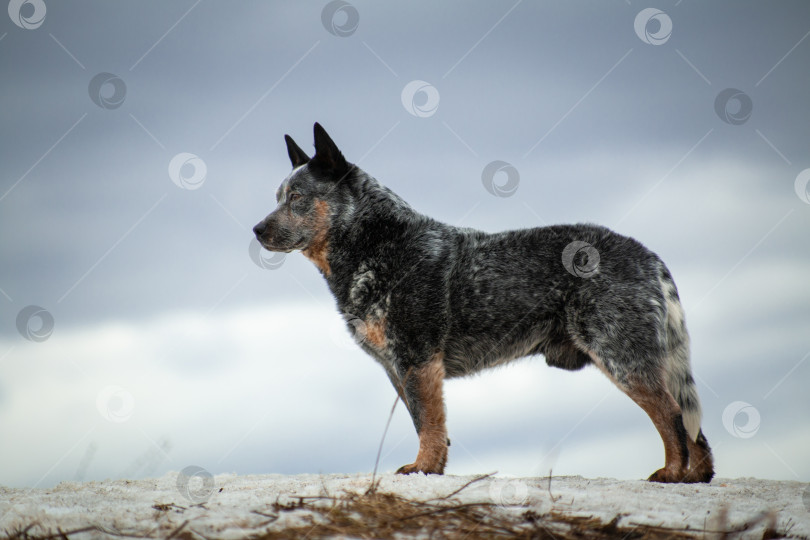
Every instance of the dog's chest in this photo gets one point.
(365, 309)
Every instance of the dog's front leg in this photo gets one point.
(425, 400)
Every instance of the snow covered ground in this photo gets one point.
(230, 506)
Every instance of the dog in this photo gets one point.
(431, 301)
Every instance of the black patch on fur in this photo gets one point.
(328, 160)
(297, 156)
(680, 432)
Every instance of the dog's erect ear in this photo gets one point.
(327, 154)
(297, 156)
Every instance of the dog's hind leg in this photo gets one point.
(666, 415)
(681, 385)
(422, 388)
(662, 408)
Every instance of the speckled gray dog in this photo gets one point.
(428, 301)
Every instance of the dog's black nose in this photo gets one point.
(258, 230)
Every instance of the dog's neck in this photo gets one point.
(380, 197)
(375, 221)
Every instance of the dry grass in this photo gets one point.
(389, 515)
(376, 514)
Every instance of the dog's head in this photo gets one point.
(308, 200)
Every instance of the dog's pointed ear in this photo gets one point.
(327, 154)
(297, 156)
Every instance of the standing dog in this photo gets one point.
(428, 301)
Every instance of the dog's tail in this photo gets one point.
(679, 379)
(681, 384)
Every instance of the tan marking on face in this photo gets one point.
(432, 456)
(318, 249)
(375, 332)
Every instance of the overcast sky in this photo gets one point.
(141, 141)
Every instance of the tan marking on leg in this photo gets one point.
(318, 249)
(665, 413)
(432, 456)
(375, 332)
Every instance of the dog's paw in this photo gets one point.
(698, 477)
(668, 476)
(408, 469)
(414, 468)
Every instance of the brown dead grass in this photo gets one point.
(375, 514)
(389, 515)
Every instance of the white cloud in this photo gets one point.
(270, 390)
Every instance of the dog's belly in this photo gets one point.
(467, 361)
(470, 353)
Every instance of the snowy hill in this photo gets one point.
(275, 506)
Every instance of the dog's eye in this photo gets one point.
(292, 197)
